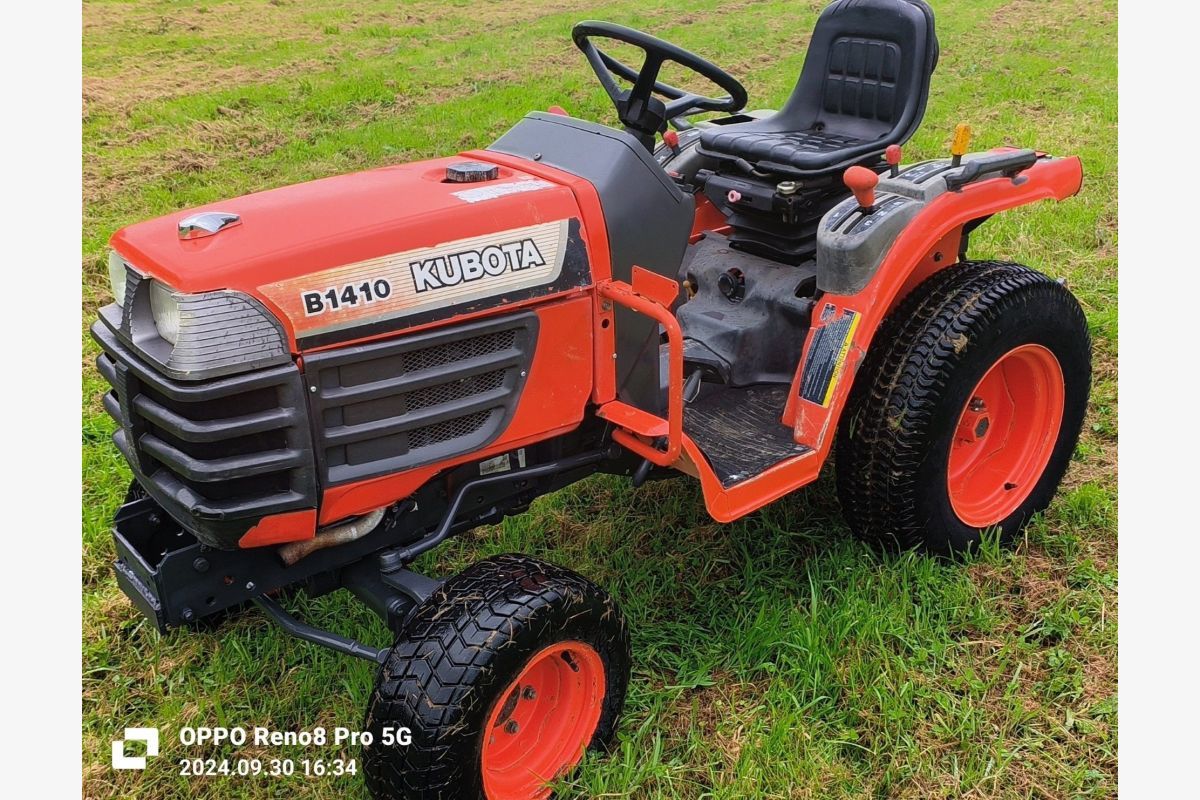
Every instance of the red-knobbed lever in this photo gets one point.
(892, 156)
(671, 138)
(862, 182)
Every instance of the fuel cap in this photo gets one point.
(471, 172)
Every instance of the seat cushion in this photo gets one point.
(807, 151)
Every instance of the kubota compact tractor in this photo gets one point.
(315, 385)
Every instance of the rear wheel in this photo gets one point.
(504, 676)
(966, 410)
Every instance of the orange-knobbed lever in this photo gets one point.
(862, 182)
(892, 156)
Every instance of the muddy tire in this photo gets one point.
(503, 677)
(966, 410)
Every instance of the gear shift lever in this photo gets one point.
(862, 182)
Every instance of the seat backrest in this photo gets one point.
(867, 70)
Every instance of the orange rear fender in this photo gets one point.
(929, 243)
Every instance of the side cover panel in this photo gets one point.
(649, 221)
(551, 400)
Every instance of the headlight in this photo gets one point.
(192, 336)
(164, 307)
(116, 276)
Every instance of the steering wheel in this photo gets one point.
(639, 110)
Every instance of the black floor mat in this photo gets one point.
(739, 430)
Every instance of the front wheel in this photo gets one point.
(502, 679)
(966, 410)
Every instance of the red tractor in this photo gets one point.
(314, 385)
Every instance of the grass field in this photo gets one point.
(775, 657)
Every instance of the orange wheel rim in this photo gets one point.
(1005, 435)
(542, 722)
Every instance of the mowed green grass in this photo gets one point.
(775, 657)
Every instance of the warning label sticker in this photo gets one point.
(493, 190)
(827, 355)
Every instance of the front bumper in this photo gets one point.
(174, 580)
(217, 455)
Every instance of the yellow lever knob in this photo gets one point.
(962, 139)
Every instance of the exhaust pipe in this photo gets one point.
(339, 534)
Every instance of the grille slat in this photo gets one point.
(474, 386)
(216, 429)
(448, 430)
(458, 351)
(418, 418)
(414, 381)
(203, 470)
(112, 405)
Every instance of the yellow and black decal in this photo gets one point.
(827, 354)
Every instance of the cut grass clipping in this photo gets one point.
(775, 657)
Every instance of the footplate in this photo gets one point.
(739, 430)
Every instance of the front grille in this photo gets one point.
(218, 454)
(422, 398)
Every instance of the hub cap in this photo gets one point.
(542, 722)
(1005, 435)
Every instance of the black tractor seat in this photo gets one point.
(863, 87)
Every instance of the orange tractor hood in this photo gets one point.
(309, 229)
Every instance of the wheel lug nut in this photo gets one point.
(977, 404)
(529, 693)
(511, 726)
